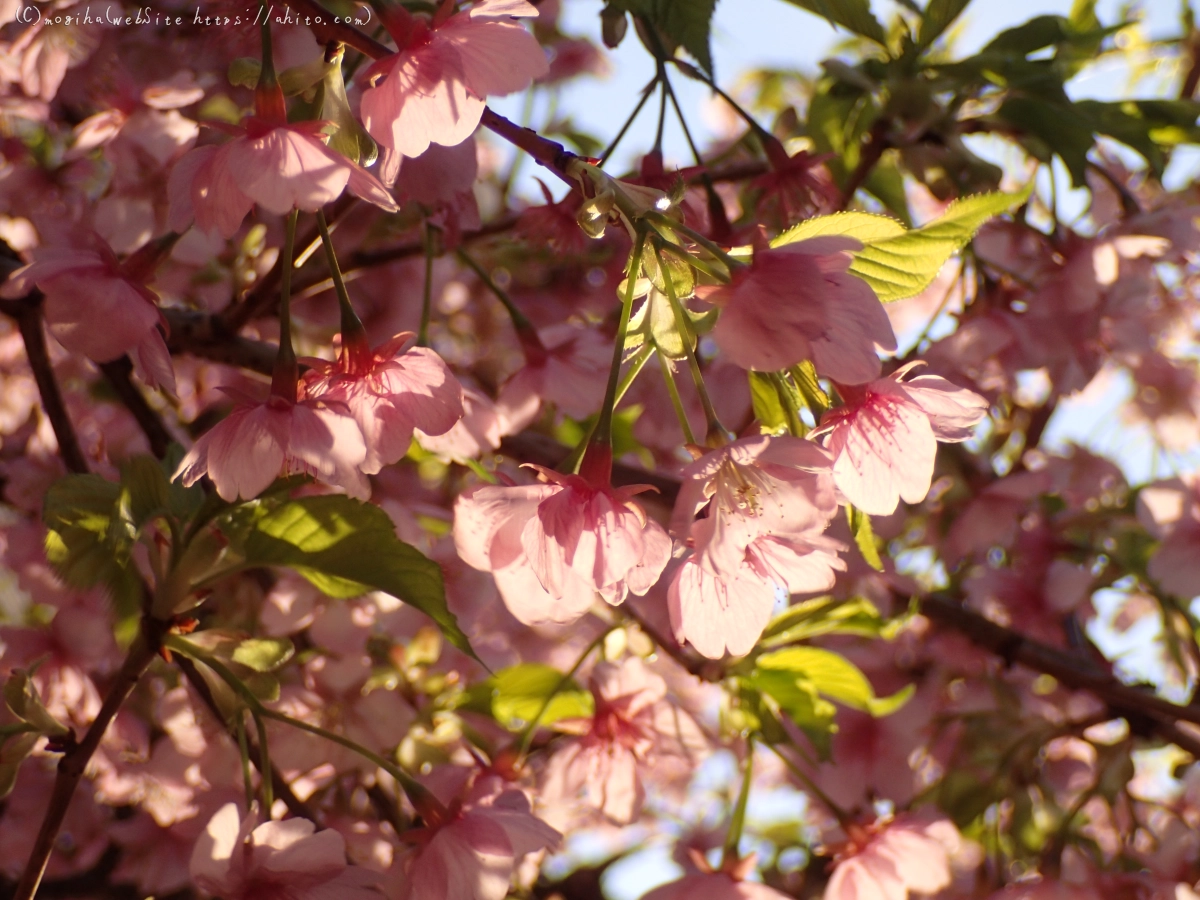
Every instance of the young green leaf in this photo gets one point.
(519, 693)
(347, 548)
(833, 676)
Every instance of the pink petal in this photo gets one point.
(497, 57)
(287, 169)
(245, 451)
(713, 615)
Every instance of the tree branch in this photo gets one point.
(117, 373)
(27, 312)
(75, 759)
(1076, 672)
(282, 789)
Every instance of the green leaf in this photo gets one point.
(824, 615)
(83, 542)
(783, 692)
(804, 376)
(864, 537)
(347, 548)
(23, 700)
(519, 692)
(768, 407)
(833, 676)
(1028, 37)
(263, 654)
(854, 15)
(680, 23)
(13, 751)
(938, 16)
(1060, 127)
(904, 265)
(864, 227)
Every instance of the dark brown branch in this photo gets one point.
(1192, 47)
(328, 30)
(282, 789)
(1071, 670)
(117, 373)
(75, 759)
(551, 154)
(27, 312)
(208, 337)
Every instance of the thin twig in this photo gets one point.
(117, 373)
(27, 312)
(75, 759)
(283, 790)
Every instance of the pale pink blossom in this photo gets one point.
(99, 307)
(799, 302)
(565, 365)
(553, 547)
(280, 167)
(432, 91)
(884, 439)
(285, 860)
(472, 853)
(1170, 511)
(889, 862)
(766, 502)
(389, 391)
(479, 430)
(259, 440)
(714, 886)
(633, 722)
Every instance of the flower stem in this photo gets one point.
(844, 818)
(676, 402)
(646, 92)
(427, 293)
(352, 326)
(660, 219)
(420, 795)
(729, 853)
(598, 455)
(264, 756)
(268, 95)
(244, 750)
(283, 381)
(717, 434)
(528, 732)
(636, 364)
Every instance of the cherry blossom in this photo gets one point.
(279, 167)
(238, 859)
(633, 722)
(766, 502)
(799, 302)
(389, 391)
(472, 853)
(884, 439)
(100, 307)
(903, 857)
(432, 90)
(553, 547)
(259, 440)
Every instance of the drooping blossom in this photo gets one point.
(471, 853)
(278, 166)
(766, 501)
(100, 307)
(432, 91)
(236, 860)
(727, 883)
(884, 439)
(799, 302)
(905, 856)
(552, 547)
(389, 391)
(259, 440)
(565, 365)
(633, 723)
